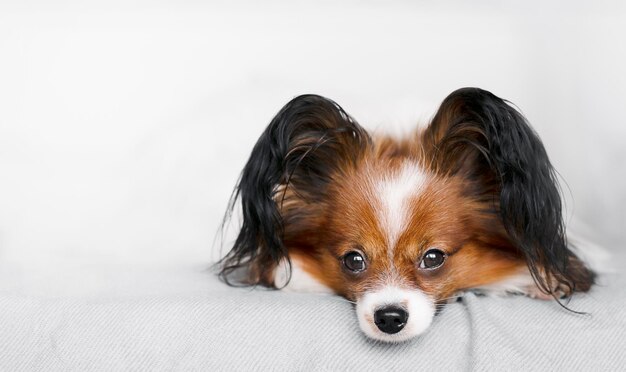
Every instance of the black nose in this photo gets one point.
(390, 319)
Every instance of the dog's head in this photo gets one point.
(401, 226)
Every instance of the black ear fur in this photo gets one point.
(481, 137)
(309, 140)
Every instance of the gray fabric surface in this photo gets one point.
(200, 324)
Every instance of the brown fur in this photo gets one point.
(442, 217)
(477, 153)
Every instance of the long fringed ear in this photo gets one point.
(308, 141)
(482, 138)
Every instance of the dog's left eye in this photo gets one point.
(354, 262)
(432, 259)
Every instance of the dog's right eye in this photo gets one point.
(354, 262)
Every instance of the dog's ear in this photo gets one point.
(483, 139)
(309, 141)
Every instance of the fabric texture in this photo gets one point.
(197, 323)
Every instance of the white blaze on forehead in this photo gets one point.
(394, 191)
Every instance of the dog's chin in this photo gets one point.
(418, 306)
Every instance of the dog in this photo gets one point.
(402, 226)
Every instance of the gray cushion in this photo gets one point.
(186, 319)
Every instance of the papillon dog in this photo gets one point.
(401, 226)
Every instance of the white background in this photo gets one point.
(123, 126)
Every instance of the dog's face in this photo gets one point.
(401, 241)
(401, 226)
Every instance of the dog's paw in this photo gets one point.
(558, 291)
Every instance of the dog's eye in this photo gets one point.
(433, 258)
(354, 262)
